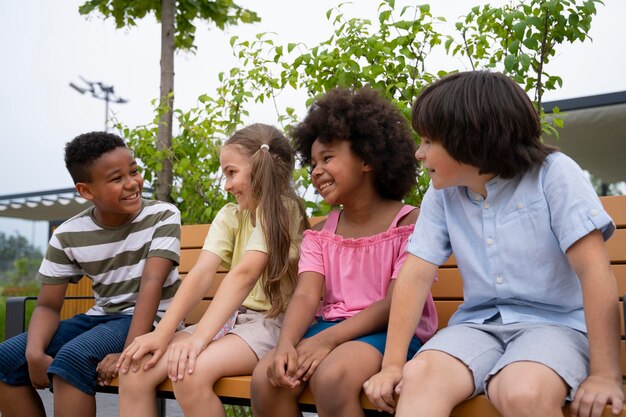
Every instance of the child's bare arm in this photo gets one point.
(411, 290)
(155, 272)
(230, 295)
(590, 261)
(298, 318)
(193, 288)
(44, 322)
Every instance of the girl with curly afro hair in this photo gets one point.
(360, 150)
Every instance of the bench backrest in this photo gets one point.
(447, 292)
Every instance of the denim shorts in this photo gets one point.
(77, 347)
(489, 347)
(377, 339)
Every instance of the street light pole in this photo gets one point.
(102, 92)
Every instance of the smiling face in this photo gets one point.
(114, 188)
(337, 173)
(238, 174)
(445, 171)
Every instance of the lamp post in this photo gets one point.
(102, 92)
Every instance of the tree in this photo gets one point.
(13, 248)
(177, 32)
(390, 53)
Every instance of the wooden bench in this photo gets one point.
(447, 292)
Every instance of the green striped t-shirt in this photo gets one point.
(114, 257)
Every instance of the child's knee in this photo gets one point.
(417, 369)
(134, 382)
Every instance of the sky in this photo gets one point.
(48, 44)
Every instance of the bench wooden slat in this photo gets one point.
(616, 246)
(616, 207)
(193, 235)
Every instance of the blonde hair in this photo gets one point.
(272, 162)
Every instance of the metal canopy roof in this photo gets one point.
(51, 205)
(594, 134)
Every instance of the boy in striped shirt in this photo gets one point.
(129, 247)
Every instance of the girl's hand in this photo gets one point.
(107, 368)
(181, 357)
(380, 388)
(38, 370)
(282, 369)
(311, 352)
(150, 343)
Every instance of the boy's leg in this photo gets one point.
(73, 370)
(433, 383)
(269, 401)
(449, 368)
(521, 384)
(70, 401)
(534, 378)
(20, 401)
(138, 389)
(227, 356)
(338, 381)
(17, 395)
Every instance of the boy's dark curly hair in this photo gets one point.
(376, 130)
(83, 150)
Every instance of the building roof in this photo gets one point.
(594, 133)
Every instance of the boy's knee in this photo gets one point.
(523, 400)
(417, 369)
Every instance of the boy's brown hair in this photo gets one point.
(483, 119)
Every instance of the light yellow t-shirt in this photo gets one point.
(232, 234)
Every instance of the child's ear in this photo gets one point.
(83, 189)
(366, 167)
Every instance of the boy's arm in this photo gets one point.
(409, 296)
(155, 272)
(589, 259)
(44, 322)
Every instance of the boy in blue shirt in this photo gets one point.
(540, 321)
(129, 247)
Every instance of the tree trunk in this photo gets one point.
(164, 137)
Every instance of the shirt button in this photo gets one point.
(594, 212)
(520, 206)
(489, 241)
(486, 205)
(499, 279)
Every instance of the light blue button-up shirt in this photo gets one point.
(510, 247)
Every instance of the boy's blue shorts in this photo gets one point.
(77, 347)
(376, 340)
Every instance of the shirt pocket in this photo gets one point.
(523, 212)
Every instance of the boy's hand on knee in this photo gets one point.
(107, 369)
(38, 370)
(594, 393)
(283, 367)
(380, 388)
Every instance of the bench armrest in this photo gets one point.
(15, 319)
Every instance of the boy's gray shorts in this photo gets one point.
(487, 348)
